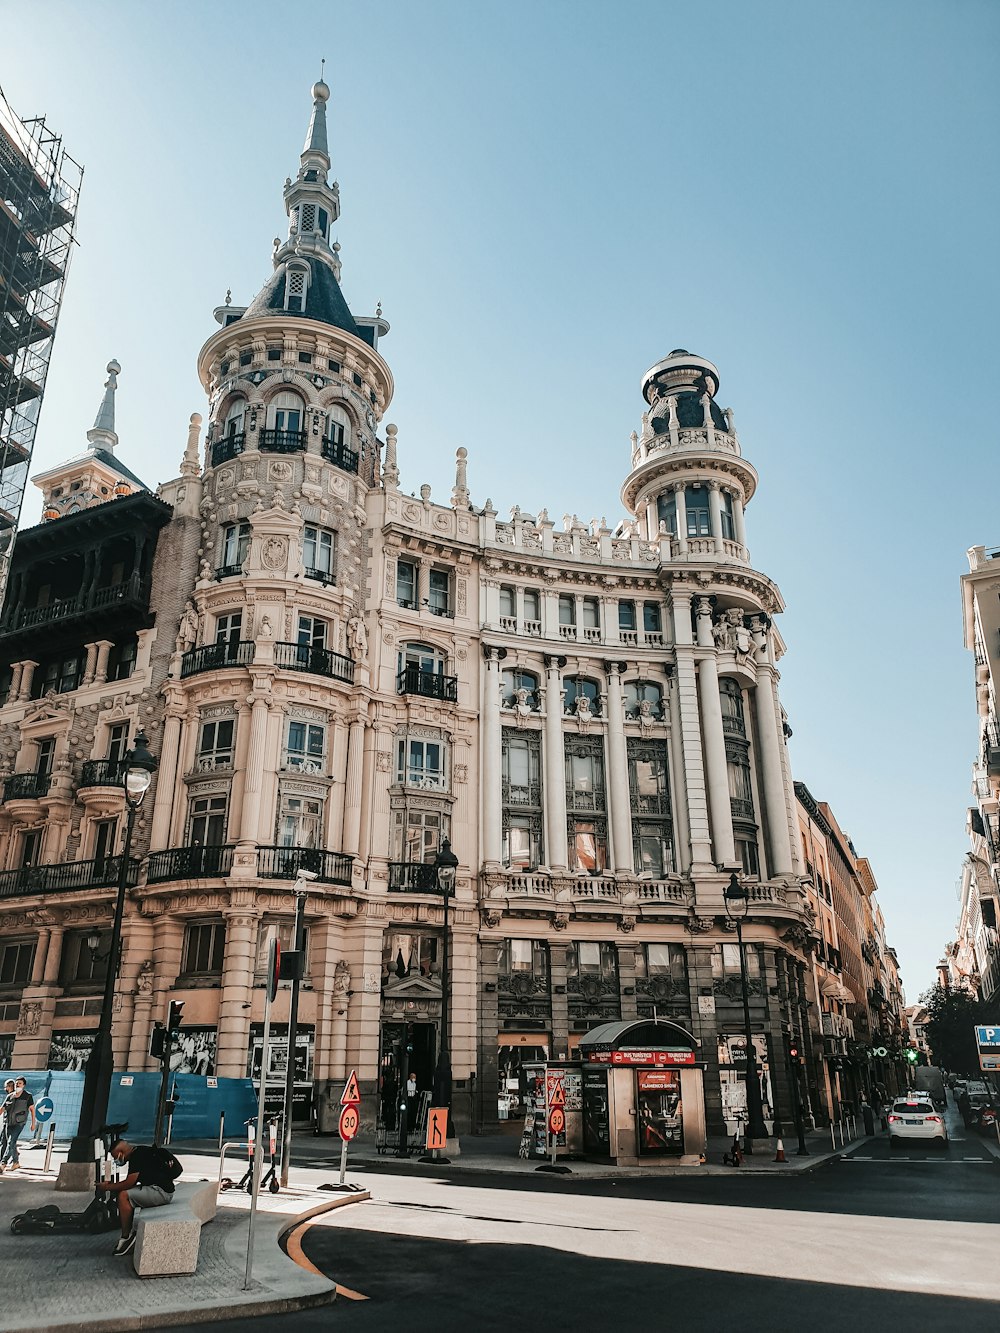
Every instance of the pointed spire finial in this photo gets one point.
(316, 141)
(103, 431)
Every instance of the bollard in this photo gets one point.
(222, 1129)
(833, 1136)
(50, 1140)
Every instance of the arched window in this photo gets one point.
(285, 412)
(519, 687)
(423, 657)
(731, 697)
(638, 692)
(296, 286)
(235, 416)
(421, 670)
(582, 695)
(338, 426)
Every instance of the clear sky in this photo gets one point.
(549, 197)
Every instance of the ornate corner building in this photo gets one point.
(336, 675)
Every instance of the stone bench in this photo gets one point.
(168, 1238)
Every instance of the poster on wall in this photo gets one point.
(732, 1073)
(510, 1077)
(277, 1063)
(69, 1051)
(194, 1051)
(6, 1049)
(596, 1120)
(659, 1116)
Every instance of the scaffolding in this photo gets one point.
(39, 192)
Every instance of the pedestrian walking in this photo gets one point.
(18, 1108)
(8, 1091)
(149, 1183)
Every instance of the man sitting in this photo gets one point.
(148, 1184)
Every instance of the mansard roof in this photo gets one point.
(324, 299)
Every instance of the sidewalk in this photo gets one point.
(56, 1283)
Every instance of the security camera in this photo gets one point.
(307, 875)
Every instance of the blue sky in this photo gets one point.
(548, 198)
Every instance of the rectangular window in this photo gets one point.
(31, 847)
(208, 821)
(584, 774)
(420, 764)
(215, 745)
(60, 676)
(235, 544)
(311, 632)
(728, 523)
(626, 615)
(698, 514)
(588, 845)
(648, 777)
(317, 552)
(16, 959)
(439, 602)
(567, 610)
(746, 849)
(79, 965)
(592, 958)
(532, 605)
(117, 741)
(522, 799)
(406, 583)
(228, 629)
(591, 613)
(46, 755)
(726, 961)
(285, 931)
(420, 835)
(651, 621)
(300, 821)
(508, 602)
(662, 960)
(204, 947)
(104, 843)
(306, 746)
(530, 957)
(121, 659)
(652, 845)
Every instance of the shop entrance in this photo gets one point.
(422, 1040)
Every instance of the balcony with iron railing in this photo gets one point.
(325, 576)
(66, 876)
(741, 808)
(228, 572)
(431, 684)
(131, 591)
(103, 773)
(216, 656)
(226, 449)
(26, 786)
(315, 661)
(337, 453)
(413, 877)
(209, 862)
(282, 441)
(286, 862)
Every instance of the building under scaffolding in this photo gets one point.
(39, 191)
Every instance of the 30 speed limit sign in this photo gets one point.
(557, 1120)
(349, 1122)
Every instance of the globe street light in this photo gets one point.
(139, 766)
(737, 906)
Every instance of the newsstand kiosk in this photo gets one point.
(643, 1093)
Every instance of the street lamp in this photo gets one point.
(737, 906)
(139, 766)
(446, 868)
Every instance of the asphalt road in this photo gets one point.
(899, 1239)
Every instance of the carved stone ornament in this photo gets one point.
(699, 925)
(144, 978)
(383, 760)
(275, 553)
(30, 1018)
(560, 921)
(492, 917)
(627, 924)
(461, 773)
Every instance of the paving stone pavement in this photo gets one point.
(72, 1281)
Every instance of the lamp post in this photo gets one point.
(737, 906)
(139, 766)
(446, 866)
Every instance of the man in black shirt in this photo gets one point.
(148, 1184)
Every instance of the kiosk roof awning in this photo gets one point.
(639, 1042)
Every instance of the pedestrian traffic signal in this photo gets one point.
(174, 1015)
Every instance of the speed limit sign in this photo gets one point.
(557, 1120)
(349, 1122)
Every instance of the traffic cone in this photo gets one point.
(779, 1155)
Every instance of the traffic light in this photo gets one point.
(912, 1055)
(291, 966)
(174, 1015)
(794, 1054)
(158, 1041)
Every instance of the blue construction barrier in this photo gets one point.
(133, 1101)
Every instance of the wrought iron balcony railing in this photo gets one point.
(413, 877)
(286, 862)
(317, 661)
(337, 453)
(103, 773)
(228, 571)
(227, 448)
(26, 786)
(96, 874)
(412, 680)
(197, 862)
(215, 656)
(282, 441)
(133, 589)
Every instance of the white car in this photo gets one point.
(915, 1117)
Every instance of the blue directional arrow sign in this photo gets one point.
(43, 1109)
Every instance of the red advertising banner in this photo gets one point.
(656, 1080)
(641, 1057)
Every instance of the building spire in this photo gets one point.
(102, 435)
(316, 145)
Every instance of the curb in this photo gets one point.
(289, 1240)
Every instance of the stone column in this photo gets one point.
(237, 991)
(38, 962)
(90, 664)
(689, 736)
(250, 815)
(724, 846)
(53, 955)
(139, 971)
(16, 673)
(774, 786)
(104, 647)
(352, 791)
(555, 769)
(492, 760)
(739, 523)
(619, 797)
(423, 583)
(682, 520)
(675, 753)
(24, 685)
(166, 782)
(715, 516)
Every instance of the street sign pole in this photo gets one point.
(273, 964)
(350, 1120)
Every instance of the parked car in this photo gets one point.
(916, 1117)
(985, 1119)
(973, 1097)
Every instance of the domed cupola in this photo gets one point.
(689, 380)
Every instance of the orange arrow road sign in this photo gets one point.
(437, 1127)
(352, 1093)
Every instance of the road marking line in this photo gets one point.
(298, 1228)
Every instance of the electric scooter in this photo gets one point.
(270, 1177)
(101, 1214)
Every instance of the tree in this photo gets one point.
(952, 1016)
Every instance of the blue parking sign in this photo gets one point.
(987, 1036)
(43, 1109)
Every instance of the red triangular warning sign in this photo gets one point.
(352, 1093)
(557, 1096)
